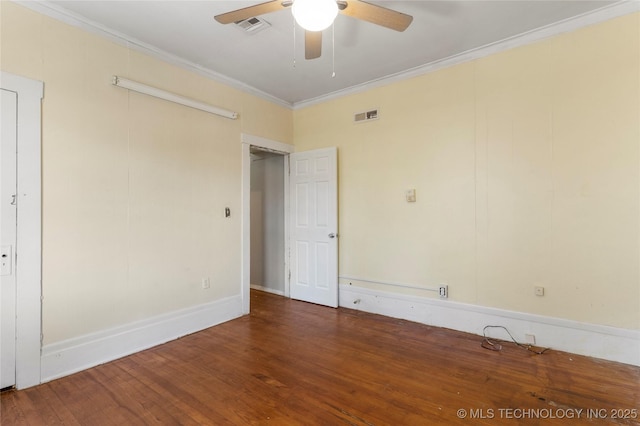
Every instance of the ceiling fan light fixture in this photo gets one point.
(314, 15)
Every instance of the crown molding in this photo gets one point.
(596, 16)
(605, 13)
(51, 10)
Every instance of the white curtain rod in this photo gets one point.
(171, 97)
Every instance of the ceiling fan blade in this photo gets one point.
(251, 11)
(312, 44)
(377, 15)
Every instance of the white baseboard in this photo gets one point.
(267, 289)
(599, 341)
(73, 355)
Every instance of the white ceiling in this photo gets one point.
(363, 51)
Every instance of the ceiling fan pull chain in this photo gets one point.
(333, 49)
(293, 19)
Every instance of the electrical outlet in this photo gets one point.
(410, 195)
(539, 291)
(206, 283)
(530, 339)
(443, 291)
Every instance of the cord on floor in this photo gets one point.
(493, 345)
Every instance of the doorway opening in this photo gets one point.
(270, 152)
(310, 255)
(268, 260)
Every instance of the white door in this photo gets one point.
(314, 226)
(8, 123)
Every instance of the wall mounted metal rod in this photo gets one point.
(403, 285)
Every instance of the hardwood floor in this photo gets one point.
(294, 363)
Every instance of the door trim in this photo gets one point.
(245, 233)
(29, 229)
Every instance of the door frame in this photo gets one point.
(29, 228)
(285, 149)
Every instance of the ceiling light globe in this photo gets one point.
(314, 15)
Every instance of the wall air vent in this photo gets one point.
(361, 117)
(253, 25)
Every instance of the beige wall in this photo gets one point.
(134, 188)
(526, 167)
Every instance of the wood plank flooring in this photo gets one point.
(294, 363)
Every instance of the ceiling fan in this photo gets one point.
(317, 15)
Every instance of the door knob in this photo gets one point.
(332, 235)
